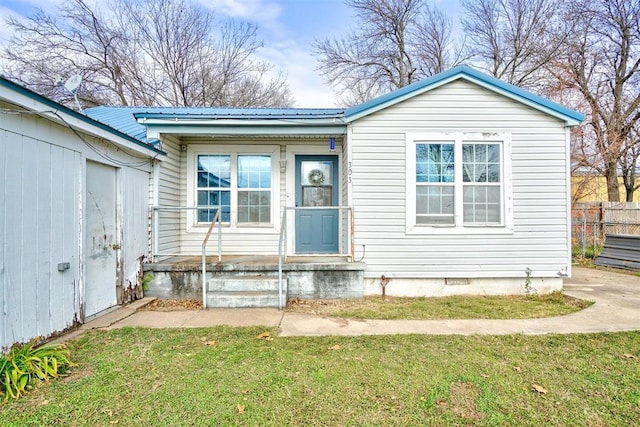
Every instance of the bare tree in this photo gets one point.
(629, 164)
(149, 52)
(601, 62)
(584, 177)
(396, 43)
(434, 47)
(514, 40)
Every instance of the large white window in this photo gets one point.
(435, 183)
(457, 181)
(239, 182)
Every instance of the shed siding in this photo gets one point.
(539, 238)
(42, 171)
(39, 228)
(135, 226)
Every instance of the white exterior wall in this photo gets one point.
(239, 240)
(539, 238)
(42, 175)
(170, 194)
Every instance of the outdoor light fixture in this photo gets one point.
(332, 144)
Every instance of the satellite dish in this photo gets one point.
(73, 83)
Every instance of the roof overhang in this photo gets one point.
(37, 104)
(158, 124)
(570, 117)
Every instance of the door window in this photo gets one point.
(316, 178)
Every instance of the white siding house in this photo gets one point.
(458, 184)
(74, 198)
(528, 233)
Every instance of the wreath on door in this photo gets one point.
(316, 177)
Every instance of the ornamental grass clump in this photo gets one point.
(26, 363)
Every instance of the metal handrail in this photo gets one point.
(282, 243)
(155, 238)
(216, 219)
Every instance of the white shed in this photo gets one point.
(74, 215)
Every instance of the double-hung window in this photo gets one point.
(457, 180)
(481, 183)
(214, 186)
(435, 183)
(254, 189)
(238, 183)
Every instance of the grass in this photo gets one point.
(590, 253)
(454, 307)
(225, 376)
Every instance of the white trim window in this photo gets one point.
(457, 181)
(213, 186)
(240, 180)
(434, 183)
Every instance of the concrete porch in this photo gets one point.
(252, 281)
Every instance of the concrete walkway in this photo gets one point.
(616, 308)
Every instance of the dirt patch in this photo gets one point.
(173, 305)
(327, 306)
(77, 373)
(463, 401)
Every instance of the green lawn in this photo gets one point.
(453, 307)
(226, 376)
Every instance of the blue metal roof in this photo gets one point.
(241, 113)
(462, 71)
(120, 118)
(125, 118)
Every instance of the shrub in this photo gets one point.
(26, 363)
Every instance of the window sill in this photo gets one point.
(458, 230)
(242, 229)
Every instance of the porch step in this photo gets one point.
(243, 283)
(243, 291)
(240, 299)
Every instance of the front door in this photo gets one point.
(100, 243)
(316, 188)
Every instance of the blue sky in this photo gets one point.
(288, 28)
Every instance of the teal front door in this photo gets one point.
(316, 189)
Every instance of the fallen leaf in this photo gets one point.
(335, 347)
(264, 335)
(539, 389)
(212, 342)
(245, 391)
(629, 356)
(518, 368)
(440, 402)
(240, 408)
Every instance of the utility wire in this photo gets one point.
(143, 160)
